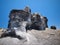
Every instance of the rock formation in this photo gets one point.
(22, 20)
(25, 28)
(34, 21)
(39, 22)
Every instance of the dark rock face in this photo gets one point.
(35, 21)
(39, 22)
(17, 16)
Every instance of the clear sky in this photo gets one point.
(48, 8)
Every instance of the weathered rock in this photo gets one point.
(27, 9)
(35, 21)
(17, 16)
(39, 22)
(35, 37)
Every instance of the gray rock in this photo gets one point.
(34, 37)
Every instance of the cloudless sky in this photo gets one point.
(48, 8)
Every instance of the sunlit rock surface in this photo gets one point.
(34, 37)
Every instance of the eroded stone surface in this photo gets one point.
(44, 37)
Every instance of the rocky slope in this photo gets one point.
(35, 37)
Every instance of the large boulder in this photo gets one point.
(38, 22)
(17, 16)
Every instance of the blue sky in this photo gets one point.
(48, 8)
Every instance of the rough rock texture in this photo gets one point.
(35, 20)
(35, 37)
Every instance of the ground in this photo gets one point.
(35, 37)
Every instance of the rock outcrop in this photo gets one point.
(34, 21)
(25, 28)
